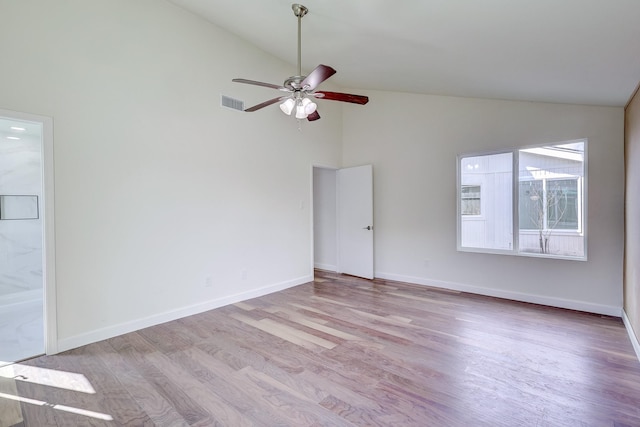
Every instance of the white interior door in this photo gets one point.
(355, 221)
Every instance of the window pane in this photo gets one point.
(486, 184)
(470, 203)
(530, 207)
(563, 204)
(550, 199)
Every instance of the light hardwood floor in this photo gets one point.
(342, 351)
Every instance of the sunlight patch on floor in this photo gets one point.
(71, 409)
(47, 377)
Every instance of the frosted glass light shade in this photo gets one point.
(304, 107)
(287, 106)
(309, 107)
(300, 114)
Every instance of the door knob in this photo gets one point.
(368, 227)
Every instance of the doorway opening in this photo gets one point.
(26, 246)
(343, 220)
(325, 232)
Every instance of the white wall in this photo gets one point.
(158, 189)
(413, 141)
(324, 219)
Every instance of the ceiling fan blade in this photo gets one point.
(317, 76)
(256, 83)
(265, 104)
(344, 97)
(313, 116)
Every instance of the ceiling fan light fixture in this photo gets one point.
(304, 107)
(300, 87)
(287, 106)
(300, 113)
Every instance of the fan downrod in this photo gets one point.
(293, 82)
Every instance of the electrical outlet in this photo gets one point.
(208, 282)
(243, 274)
(426, 263)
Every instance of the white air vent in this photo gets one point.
(234, 104)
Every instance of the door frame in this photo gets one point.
(48, 227)
(338, 267)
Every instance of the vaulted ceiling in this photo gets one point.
(565, 51)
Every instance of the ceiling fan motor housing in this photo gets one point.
(294, 83)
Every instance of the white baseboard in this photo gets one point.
(137, 324)
(500, 293)
(325, 267)
(632, 336)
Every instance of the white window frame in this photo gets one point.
(582, 182)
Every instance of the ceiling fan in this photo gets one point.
(300, 89)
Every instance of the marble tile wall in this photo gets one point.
(20, 239)
(21, 331)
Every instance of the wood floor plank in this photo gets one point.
(318, 325)
(157, 408)
(64, 405)
(220, 379)
(244, 306)
(343, 351)
(286, 333)
(303, 410)
(188, 409)
(240, 391)
(219, 413)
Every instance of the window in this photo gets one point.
(544, 216)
